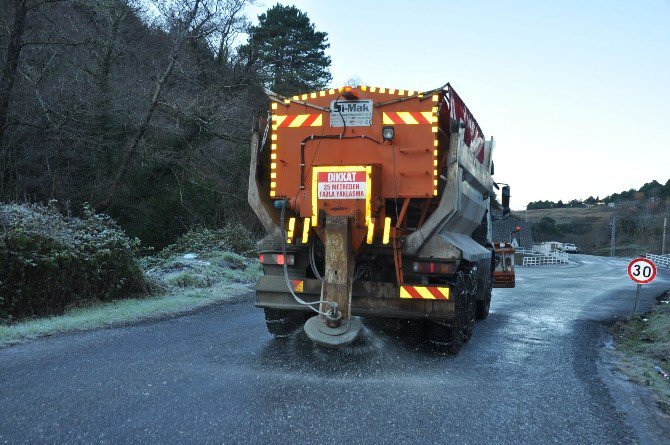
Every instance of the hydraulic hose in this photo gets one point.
(333, 305)
(312, 261)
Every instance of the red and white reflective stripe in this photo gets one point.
(424, 292)
(407, 117)
(297, 120)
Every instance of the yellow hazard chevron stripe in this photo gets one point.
(424, 292)
(297, 120)
(297, 285)
(408, 117)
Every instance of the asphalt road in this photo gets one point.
(528, 375)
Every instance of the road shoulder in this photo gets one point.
(638, 404)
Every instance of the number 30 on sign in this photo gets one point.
(642, 271)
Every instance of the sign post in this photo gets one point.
(637, 299)
(642, 271)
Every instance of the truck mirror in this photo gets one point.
(505, 200)
(505, 197)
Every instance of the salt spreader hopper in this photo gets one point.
(377, 203)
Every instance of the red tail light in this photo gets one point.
(276, 258)
(433, 268)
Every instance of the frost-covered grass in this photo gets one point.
(203, 271)
(187, 284)
(642, 344)
(118, 312)
(201, 268)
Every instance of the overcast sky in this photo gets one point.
(575, 93)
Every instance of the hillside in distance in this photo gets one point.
(634, 218)
(651, 192)
(638, 227)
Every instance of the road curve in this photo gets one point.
(528, 375)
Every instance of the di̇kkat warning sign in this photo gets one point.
(341, 185)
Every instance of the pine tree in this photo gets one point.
(290, 52)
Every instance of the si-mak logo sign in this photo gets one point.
(352, 107)
(352, 113)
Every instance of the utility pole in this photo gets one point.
(665, 224)
(613, 236)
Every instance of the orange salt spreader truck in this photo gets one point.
(377, 203)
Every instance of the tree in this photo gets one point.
(537, 205)
(19, 10)
(187, 20)
(652, 188)
(83, 89)
(665, 191)
(291, 54)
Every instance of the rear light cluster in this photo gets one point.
(276, 258)
(429, 267)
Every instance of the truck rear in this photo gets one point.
(377, 203)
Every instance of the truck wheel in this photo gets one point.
(467, 330)
(282, 323)
(446, 338)
(470, 302)
(483, 306)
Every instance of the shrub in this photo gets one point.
(190, 279)
(233, 237)
(49, 262)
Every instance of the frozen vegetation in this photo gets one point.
(63, 273)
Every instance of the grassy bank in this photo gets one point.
(187, 282)
(60, 273)
(99, 315)
(643, 346)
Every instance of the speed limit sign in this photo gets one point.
(642, 271)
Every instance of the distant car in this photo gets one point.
(570, 248)
(550, 246)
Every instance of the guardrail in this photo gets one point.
(524, 251)
(543, 260)
(536, 258)
(659, 260)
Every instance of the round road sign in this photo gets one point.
(642, 271)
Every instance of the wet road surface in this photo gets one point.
(528, 375)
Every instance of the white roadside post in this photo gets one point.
(642, 271)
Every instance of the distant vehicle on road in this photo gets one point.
(555, 246)
(549, 246)
(570, 248)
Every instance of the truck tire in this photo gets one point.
(282, 323)
(449, 336)
(470, 291)
(446, 337)
(483, 306)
